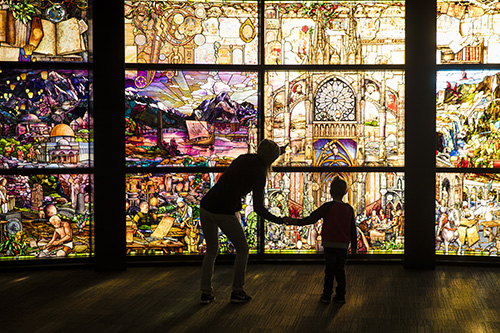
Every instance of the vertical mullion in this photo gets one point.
(420, 131)
(261, 115)
(109, 146)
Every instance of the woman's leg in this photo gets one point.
(231, 226)
(210, 232)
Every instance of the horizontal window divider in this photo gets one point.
(132, 170)
(46, 171)
(467, 66)
(46, 65)
(152, 66)
(472, 259)
(334, 67)
(468, 170)
(337, 169)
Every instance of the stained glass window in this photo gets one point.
(467, 32)
(191, 32)
(467, 208)
(341, 118)
(190, 118)
(163, 214)
(34, 206)
(44, 31)
(44, 119)
(467, 119)
(377, 199)
(338, 32)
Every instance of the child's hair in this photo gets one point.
(338, 187)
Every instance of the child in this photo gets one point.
(339, 229)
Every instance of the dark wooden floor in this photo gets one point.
(381, 298)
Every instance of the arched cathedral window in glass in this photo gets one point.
(335, 101)
(358, 115)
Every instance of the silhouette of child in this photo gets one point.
(339, 231)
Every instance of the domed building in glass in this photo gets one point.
(62, 148)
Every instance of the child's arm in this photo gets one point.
(317, 214)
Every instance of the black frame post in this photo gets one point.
(420, 163)
(109, 179)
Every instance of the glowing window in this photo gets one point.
(339, 32)
(194, 32)
(340, 118)
(45, 120)
(467, 32)
(163, 214)
(467, 124)
(377, 200)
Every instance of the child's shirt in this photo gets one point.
(339, 228)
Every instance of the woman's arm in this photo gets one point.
(258, 206)
(258, 201)
(317, 214)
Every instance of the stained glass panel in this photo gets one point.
(467, 121)
(163, 214)
(467, 214)
(191, 32)
(46, 216)
(377, 199)
(337, 32)
(44, 119)
(44, 31)
(343, 118)
(205, 118)
(467, 32)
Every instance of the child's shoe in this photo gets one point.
(325, 298)
(340, 299)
